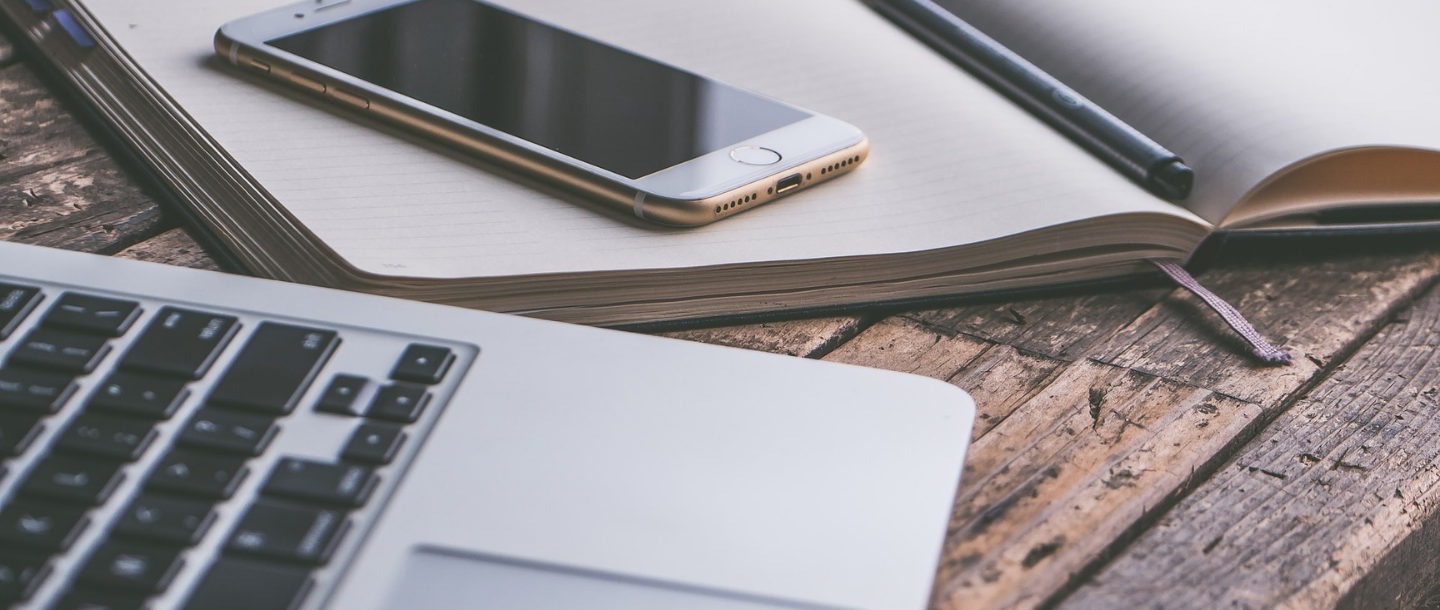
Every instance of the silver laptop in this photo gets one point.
(174, 438)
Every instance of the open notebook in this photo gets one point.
(963, 193)
(1296, 114)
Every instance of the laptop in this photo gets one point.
(175, 438)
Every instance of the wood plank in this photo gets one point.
(1312, 308)
(88, 205)
(1017, 538)
(1061, 327)
(1316, 503)
(36, 132)
(999, 377)
(804, 338)
(1408, 577)
(1058, 481)
(1003, 379)
(58, 187)
(173, 247)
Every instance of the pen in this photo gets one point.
(1127, 150)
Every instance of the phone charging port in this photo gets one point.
(788, 183)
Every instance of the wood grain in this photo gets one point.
(805, 338)
(1311, 507)
(86, 205)
(173, 247)
(58, 187)
(1079, 425)
(1314, 308)
(999, 377)
(1061, 327)
(36, 132)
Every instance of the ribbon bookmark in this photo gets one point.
(1262, 348)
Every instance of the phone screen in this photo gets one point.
(593, 102)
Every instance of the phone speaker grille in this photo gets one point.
(719, 209)
(835, 166)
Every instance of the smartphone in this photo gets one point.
(627, 131)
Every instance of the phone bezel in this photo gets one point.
(693, 180)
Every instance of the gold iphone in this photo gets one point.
(630, 132)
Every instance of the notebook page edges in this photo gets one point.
(952, 163)
(1241, 90)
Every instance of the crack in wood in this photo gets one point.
(1343, 465)
(1344, 412)
(1211, 546)
(1040, 552)
(22, 172)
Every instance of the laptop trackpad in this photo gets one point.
(440, 579)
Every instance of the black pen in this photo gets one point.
(1127, 150)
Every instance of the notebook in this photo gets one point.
(964, 192)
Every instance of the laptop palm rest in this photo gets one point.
(441, 579)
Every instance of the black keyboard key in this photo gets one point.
(193, 473)
(274, 368)
(139, 395)
(40, 527)
(291, 533)
(131, 566)
(91, 314)
(89, 599)
(236, 584)
(38, 391)
(400, 401)
(111, 436)
(85, 481)
(180, 342)
(17, 431)
(166, 519)
(301, 479)
(60, 350)
(423, 364)
(373, 444)
(20, 575)
(228, 431)
(16, 303)
(343, 395)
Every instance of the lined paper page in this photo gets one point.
(952, 163)
(1240, 89)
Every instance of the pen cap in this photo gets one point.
(1171, 179)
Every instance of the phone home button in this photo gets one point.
(754, 155)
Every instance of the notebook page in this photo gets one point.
(1240, 89)
(951, 163)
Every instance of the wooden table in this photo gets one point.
(1127, 453)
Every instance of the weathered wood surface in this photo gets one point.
(58, 187)
(1312, 505)
(805, 338)
(1084, 434)
(173, 247)
(1099, 413)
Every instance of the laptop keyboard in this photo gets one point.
(183, 455)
